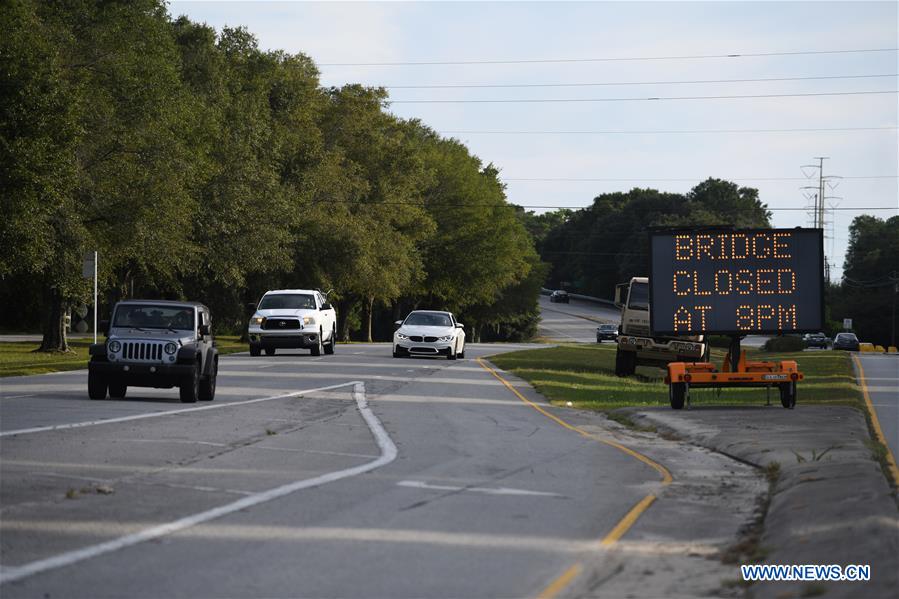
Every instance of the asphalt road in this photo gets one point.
(407, 478)
(575, 321)
(881, 374)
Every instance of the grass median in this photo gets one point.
(20, 358)
(585, 375)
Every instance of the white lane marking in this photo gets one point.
(318, 451)
(16, 396)
(388, 454)
(417, 484)
(71, 477)
(59, 427)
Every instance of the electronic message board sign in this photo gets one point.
(736, 281)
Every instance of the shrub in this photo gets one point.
(784, 344)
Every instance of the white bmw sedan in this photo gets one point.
(429, 333)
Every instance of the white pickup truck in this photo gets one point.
(293, 319)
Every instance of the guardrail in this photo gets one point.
(585, 298)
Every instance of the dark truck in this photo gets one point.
(155, 343)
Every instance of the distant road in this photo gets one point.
(574, 322)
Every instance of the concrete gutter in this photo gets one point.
(831, 503)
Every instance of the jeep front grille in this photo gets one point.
(142, 351)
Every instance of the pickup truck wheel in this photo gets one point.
(317, 349)
(96, 386)
(117, 390)
(207, 386)
(190, 388)
(329, 348)
(788, 395)
(269, 351)
(255, 351)
(677, 393)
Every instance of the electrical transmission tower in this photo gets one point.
(820, 211)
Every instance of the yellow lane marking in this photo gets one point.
(561, 582)
(632, 515)
(891, 460)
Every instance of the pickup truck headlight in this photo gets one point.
(114, 346)
(170, 348)
(308, 320)
(258, 320)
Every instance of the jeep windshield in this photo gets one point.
(287, 301)
(154, 317)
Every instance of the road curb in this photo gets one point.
(831, 503)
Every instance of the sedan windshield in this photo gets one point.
(154, 317)
(608, 327)
(287, 301)
(428, 319)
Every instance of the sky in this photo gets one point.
(546, 149)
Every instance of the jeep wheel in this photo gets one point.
(207, 385)
(190, 388)
(269, 351)
(329, 349)
(317, 349)
(255, 351)
(96, 386)
(117, 390)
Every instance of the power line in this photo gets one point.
(622, 83)
(605, 59)
(425, 204)
(669, 131)
(675, 180)
(642, 99)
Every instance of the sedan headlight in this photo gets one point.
(114, 346)
(308, 320)
(447, 338)
(258, 320)
(401, 336)
(170, 348)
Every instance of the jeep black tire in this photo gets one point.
(207, 385)
(625, 363)
(788, 395)
(269, 351)
(255, 350)
(117, 390)
(317, 348)
(329, 348)
(190, 387)
(96, 386)
(677, 393)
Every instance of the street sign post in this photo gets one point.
(88, 270)
(847, 324)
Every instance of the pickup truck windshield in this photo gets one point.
(154, 317)
(287, 301)
(639, 297)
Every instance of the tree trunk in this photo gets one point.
(343, 319)
(368, 317)
(55, 326)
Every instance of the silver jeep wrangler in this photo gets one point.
(155, 343)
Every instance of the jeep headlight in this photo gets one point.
(170, 348)
(114, 346)
(308, 320)
(260, 320)
(447, 338)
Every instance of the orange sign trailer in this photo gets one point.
(735, 282)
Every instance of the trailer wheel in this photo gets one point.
(625, 363)
(677, 393)
(788, 395)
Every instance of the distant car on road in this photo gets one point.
(819, 340)
(155, 343)
(293, 318)
(606, 332)
(559, 296)
(847, 341)
(429, 333)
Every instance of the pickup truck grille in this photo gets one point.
(280, 324)
(142, 351)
